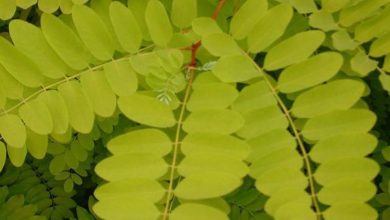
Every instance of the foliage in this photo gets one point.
(186, 109)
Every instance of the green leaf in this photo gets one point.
(204, 26)
(343, 146)
(193, 211)
(183, 12)
(81, 115)
(307, 74)
(290, 51)
(36, 144)
(58, 110)
(139, 141)
(17, 155)
(13, 130)
(348, 168)
(37, 116)
(235, 68)
(347, 190)
(246, 18)
(220, 121)
(99, 92)
(37, 49)
(7, 9)
(70, 160)
(336, 95)
(83, 214)
(339, 122)
(355, 211)
(78, 151)
(3, 155)
(134, 165)
(261, 121)
(19, 65)
(68, 185)
(269, 29)
(126, 27)
(121, 77)
(158, 23)
(381, 46)
(93, 32)
(64, 42)
(146, 110)
(218, 96)
(57, 164)
(221, 44)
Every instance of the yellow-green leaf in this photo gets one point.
(343, 146)
(217, 96)
(126, 28)
(158, 23)
(307, 74)
(355, 211)
(235, 68)
(19, 65)
(204, 26)
(37, 116)
(290, 51)
(17, 155)
(7, 9)
(37, 49)
(81, 115)
(48, 6)
(13, 130)
(193, 211)
(269, 29)
(220, 121)
(3, 155)
(36, 144)
(64, 42)
(58, 110)
(139, 141)
(99, 92)
(183, 12)
(93, 32)
(246, 18)
(336, 95)
(121, 77)
(339, 122)
(221, 44)
(146, 110)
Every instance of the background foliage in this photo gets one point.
(186, 109)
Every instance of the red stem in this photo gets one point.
(196, 46)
